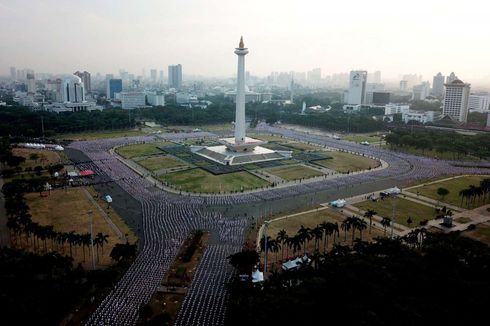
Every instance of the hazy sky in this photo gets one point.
(416, 36)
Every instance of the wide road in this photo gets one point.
(163, 220)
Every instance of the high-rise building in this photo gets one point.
(73, 90)
(113, 86)
(132, 100)
(175, 76)
(13, 73)
(438, 85)
(403, 85)
(161, 75)
(314, 76)
(421, 92)
(456, 100)
(153, 75)
(31, 83)
(86, 80)
(377, 77)
(452, 77)
(479, 103)
(357, 87)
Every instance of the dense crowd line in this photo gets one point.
(168, 218)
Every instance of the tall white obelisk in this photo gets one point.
(241, 51)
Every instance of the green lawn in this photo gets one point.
(454, 186)
(198, 180)
(293, 172)
(136, 150)
(160, 162)
(432, 153)
(361, 138)
(101, 134)
(403, 209)
(303, 146)
(345, 162)
(268, 137)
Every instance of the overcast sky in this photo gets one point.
(416, 36)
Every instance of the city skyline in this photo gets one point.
(348, 36)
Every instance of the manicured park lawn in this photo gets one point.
(303, 146)
(454, 186)
(160, 162)
(293, 172)
(361, 138)
(101, 134)
(346, 162)
(403, 209)
(146, 149)
(446, 155)
(199, 180)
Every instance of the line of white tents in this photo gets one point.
(42, 146)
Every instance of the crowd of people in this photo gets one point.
(168, 218)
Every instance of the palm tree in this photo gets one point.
(317, 233)
(361, 225)
(305, 235)
(327, 227)
(369, 214)
(345, 226)
(102, 239)
(282, 236)
(385, 222)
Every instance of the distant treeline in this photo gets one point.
(441, 141)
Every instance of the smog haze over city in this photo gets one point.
(395, 37)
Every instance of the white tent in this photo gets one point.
(257, 276)
(338, 203)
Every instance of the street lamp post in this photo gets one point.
(92, 237)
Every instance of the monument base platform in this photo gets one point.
(223, 155)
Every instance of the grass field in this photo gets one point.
(101, 134)
(45, 157)
(198, 180)
(454, 186)
(131, 151)
(346, 162)
(432, 153)
(361, 138)
(293, 172)
(481, 233)
(160, 162)
(67, 210)
(303, 146)
(268, 137)
(403, 209)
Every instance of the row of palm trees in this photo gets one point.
(321, 234)
(35, 234)
(473, 193)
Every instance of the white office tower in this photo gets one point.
(456, 100)
(153, 75)
(479, 103)
(421, 92)
(452, 77)
(240, 149)
(175, 76)
(403, 85)
(357, 87)
(73, 90)
(86, 80)
(155, 98)
(377, 77)
(132, 100)
(31, 83)
(438, 85)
